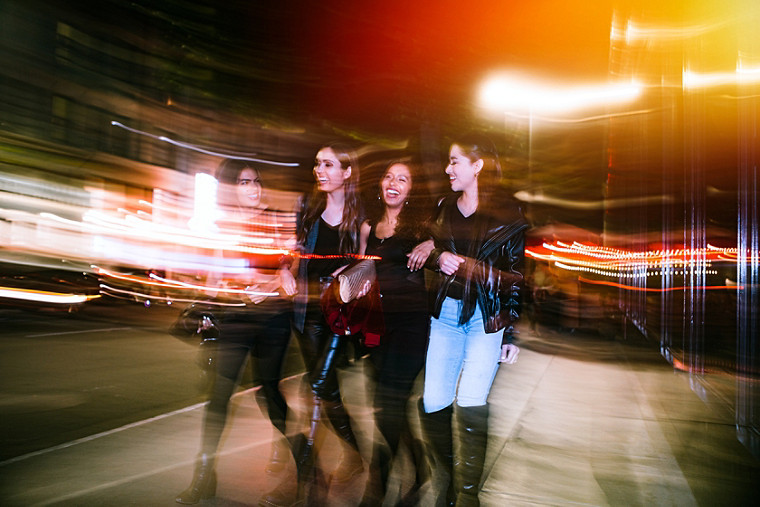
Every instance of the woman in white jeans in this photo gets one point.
(479, 247)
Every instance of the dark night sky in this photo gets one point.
(383, 66)
(390, 63)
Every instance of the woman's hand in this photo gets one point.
(255, 294)
(288, 282)
(449, 263)
(509, 353)
(419, 255)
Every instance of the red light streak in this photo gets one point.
(668, 289)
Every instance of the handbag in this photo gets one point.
(197, 322)
(352, 279)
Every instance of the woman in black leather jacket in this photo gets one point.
(479, 247)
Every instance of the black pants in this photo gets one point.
(396, 363)
(262, 333)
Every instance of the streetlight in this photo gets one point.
(519, 97)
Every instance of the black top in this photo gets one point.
(402, 290)
(462, 228)
(328, 245)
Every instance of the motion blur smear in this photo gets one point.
(641, 188)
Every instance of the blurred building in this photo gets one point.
(685, 163)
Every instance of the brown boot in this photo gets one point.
(279, 456)
(350, 466)
(288, 493)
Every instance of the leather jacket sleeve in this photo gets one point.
(499, 282)
(495, 272)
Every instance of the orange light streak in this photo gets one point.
(42, 296)
(668, 289)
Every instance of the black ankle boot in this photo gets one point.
(474, 443)
(437, 429)
(204, 482)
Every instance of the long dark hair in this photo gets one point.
(414, 216)
(227, 175)
(478, 146)
(348, 230)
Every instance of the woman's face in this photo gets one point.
(328, 172)
(396, 185)
(249, 188)
(462, 173)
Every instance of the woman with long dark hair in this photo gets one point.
(254, 319)
(479, 247)
(396, 223)
(328, 238)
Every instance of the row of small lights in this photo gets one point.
(633, 275)
(633, 260)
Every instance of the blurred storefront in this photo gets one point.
(688, 160)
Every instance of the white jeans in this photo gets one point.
(461, 361)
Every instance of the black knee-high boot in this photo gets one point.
(437, 428)
(474, 436)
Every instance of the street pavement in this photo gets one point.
(578, 420)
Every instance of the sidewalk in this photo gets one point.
(578, 420)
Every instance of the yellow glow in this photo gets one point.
(742, 75)
(512, 95)
(635, 32)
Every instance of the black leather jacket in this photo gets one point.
(491, 269)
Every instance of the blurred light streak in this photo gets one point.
(202, 150)
(652, 289)
(510, 94)
(191, 290)
(634, 32)
(114, 291)
(605, 261)
(44, 296)
(706, 80)
(539, 197)
(340, 256)
(585, 119)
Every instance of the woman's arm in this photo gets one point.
(364, 231)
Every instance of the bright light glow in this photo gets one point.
(635, 32)
(742, 75)
(204, 206)
(44, 296)
(512, 95)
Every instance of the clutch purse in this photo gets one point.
(352, 279)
